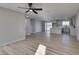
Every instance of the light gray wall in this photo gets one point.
(12, 26)
(28, 27)
(38, 26)
(33, 25)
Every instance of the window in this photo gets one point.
(65, 23)
(48, 25)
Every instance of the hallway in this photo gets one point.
(55, 45)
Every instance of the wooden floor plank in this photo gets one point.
(55, 45)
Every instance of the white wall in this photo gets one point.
(12, 26)
(77, 26)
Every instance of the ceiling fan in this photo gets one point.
(31, 8)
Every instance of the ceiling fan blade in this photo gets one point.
(35, 11)
(37, 8)
(23, 7)
(26, 11)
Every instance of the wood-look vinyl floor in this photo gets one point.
(55, 45)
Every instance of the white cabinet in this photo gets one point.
(56, 30)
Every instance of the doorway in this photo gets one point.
(66, 27)
(48, 26)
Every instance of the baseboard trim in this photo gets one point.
(10, 42)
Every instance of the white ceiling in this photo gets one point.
(50, 10)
